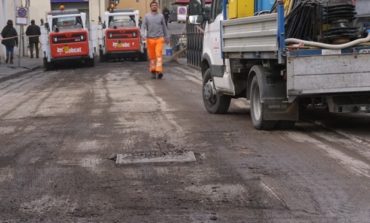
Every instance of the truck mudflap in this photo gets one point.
(273, 97)
(278, 110)
(320, 72)
(122, 40)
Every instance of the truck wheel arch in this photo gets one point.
(251, 74)
(275, 89)
(205, 63)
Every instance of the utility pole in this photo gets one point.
(99, 8)
(22, 15)
(19, 44)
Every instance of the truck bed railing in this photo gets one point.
(251, 34)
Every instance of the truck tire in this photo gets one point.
(90, 62)
(257, 109)
(47, 65)
(144, 56)
(102, 57)
(214, 102)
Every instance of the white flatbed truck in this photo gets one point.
(249, 58)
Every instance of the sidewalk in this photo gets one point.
(8, 71)
(183, 61)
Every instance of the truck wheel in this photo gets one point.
(90, 62)
(101, 56)
(257, 109)
(214, 102)
(47, 65)
(144, 56)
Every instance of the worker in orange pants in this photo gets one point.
(154, 30)
(155, 48)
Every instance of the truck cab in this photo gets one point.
(218, 87)
(120, 37)
(66, 38)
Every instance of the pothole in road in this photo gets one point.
(151, 157)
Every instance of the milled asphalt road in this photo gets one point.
(60, 129)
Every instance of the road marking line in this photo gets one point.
(357, 167)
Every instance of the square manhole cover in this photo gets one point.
(179, 156)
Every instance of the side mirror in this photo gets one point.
(196, 19)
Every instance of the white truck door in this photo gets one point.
(212, 37)
(220, 68)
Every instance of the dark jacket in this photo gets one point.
(33, 30)
(9, 31)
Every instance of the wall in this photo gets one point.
(97, 8)
(38, 10)
(141, 5)
(166, 3)
(93, 8)
(2, 23)
(7, 11)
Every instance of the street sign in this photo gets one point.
(22, 12)
(21, 16)
(21, 21)
(182, 12)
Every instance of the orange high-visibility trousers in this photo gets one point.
(155, 48)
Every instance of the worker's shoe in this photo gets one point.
(160, 76)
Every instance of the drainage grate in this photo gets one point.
(179, 156)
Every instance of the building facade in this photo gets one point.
(143, 5)
(7, 11)
(93, 8)
(39, 8)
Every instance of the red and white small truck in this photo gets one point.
(119, 36)
(66, 38)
